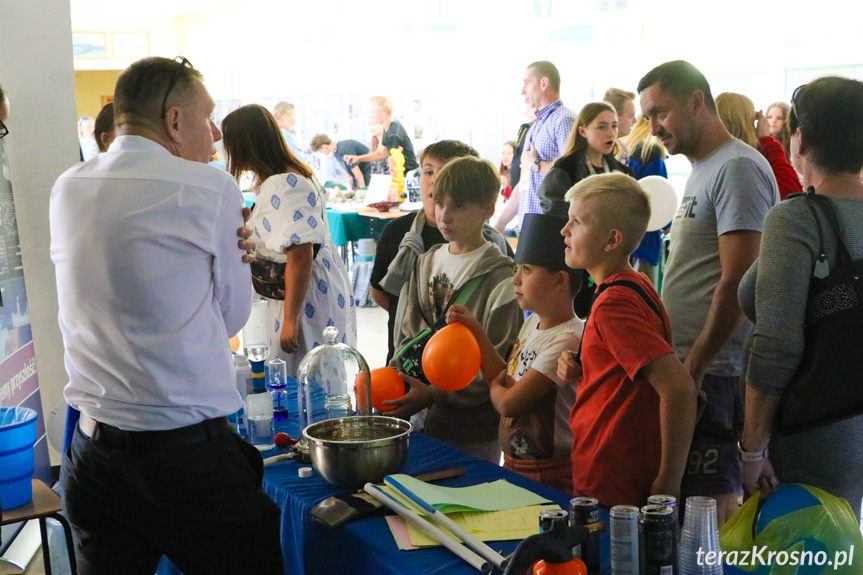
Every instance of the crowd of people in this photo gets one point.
(589, 380)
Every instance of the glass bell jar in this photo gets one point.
(327, 378)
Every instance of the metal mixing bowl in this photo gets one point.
(351, 451)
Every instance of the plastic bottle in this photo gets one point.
(259, 410)
(243, 374)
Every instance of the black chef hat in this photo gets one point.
(540, 242)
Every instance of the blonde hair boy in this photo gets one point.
(626, 356)
(616, 202)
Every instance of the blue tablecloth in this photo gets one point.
(366, 546)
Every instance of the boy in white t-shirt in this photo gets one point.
(535, 403)
(464, 192)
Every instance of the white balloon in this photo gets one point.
(663, 201)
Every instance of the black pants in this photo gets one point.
(201, 505)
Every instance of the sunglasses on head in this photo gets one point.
(182, 64)
(793, 112)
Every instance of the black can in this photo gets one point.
(657, 540)
(551, 519)
(584, 510)
(669, 500)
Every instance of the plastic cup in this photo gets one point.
(700, 533)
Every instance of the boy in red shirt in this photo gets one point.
(635, 410)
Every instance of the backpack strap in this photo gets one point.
(843, 258)
(637, 289)
(466, 291)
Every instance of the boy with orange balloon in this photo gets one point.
(533, 400)
(635, 412)
(464, 193)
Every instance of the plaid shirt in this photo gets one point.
(548, 137)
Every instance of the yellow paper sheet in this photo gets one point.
(507, 525)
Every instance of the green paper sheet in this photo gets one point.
(496, 496)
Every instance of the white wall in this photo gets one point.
(36, 71)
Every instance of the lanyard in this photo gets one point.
(592, 170)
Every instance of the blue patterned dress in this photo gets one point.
(290, 209)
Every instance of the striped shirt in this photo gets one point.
(548, 137)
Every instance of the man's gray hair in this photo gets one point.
(141, 89)
(281, 109)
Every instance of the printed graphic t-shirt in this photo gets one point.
(543, 431)
(450, 272)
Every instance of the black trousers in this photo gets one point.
(201, 505)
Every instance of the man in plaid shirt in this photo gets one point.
(546, 140)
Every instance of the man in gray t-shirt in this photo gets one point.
(715, 237)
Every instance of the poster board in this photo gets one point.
(19, 381)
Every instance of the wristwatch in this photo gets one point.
(751, 456)
(534, 167)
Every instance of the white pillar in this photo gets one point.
(37, 73)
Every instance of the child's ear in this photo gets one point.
(489, 211)
(563, 280)
(613, 241)
(581, 131)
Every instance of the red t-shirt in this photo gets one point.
(617, 445)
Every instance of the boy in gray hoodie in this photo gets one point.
(465, 191)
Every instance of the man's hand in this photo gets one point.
(289, 336)
(415, 400)
(758, 476)
(459, 313)
(567, 368)
(762, 128)
(244, 234)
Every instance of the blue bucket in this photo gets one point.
(17, 436)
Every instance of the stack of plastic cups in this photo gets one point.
(699, 540)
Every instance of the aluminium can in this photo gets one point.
(624, 540)
(582, 511)
(657, 538)
(551, 519)
(669, 500)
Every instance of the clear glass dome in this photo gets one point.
(327, 378)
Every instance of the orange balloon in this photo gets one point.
(387, 385)
(451, 358)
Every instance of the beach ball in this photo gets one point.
(810, 532)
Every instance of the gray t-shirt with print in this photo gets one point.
(731, 189)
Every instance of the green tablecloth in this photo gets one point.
(344, 226)
(350, 226)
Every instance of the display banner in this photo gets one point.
(19, 381)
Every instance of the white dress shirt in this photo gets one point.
(151, 286)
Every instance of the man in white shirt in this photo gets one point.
(151, 286)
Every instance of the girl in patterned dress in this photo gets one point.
(290, 222)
